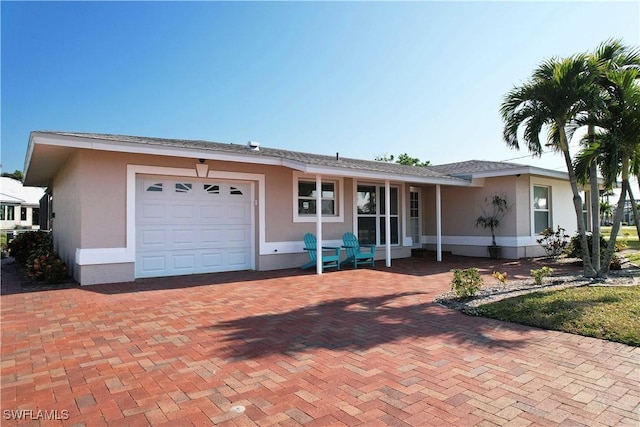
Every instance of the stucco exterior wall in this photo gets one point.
(90, 201)
(103, 191)
(461, 206)
(66, 206)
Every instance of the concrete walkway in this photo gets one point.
(355, 347)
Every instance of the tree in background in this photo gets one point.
(17, 175)
(403, 159)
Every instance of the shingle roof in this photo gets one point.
(305, 158)
(474, 166)
(12, 191)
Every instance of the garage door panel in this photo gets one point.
(237, 258)
(152, 212)
(212, 211)
(237, 235)
(152, 238)
(212, 236)
(184, 237)
(151, 264)
(186, 226)
(183, 211)
(238, 214)
(213, 260)
(184, 261)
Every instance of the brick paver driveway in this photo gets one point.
(355, 347)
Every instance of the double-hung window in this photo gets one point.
(7, 212)
(541, 209)
(371, 221)
(305, 200)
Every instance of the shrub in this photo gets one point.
(574, 249)
(24, 244)
(500, 277)
(48, 268)
(34, 250)
(540, 274)
(554, 243)
(622, 244)
(616, 263)
(466, 283)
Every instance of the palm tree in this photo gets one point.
(617, 148)
(606, 210)
(616, 144)
(558, 92)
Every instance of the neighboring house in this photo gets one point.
(612, 198)
(19, 206)
(125, 207)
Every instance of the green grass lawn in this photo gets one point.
(630, 234)
(610, 313)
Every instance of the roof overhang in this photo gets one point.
(525, 170)
(47, 153)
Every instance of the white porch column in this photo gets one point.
(387, 222)
(319, 224)
(438, 224)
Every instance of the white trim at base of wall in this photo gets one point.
(519, 241)
(104, 256)
(294, 247)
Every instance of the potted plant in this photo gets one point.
(491, 219)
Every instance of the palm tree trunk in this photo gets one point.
(595, 209)
(634, 207)
(617, 219)
(587, 266)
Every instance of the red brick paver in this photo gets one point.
(354, 347)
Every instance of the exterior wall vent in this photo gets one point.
(253, 145)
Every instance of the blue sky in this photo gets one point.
(364, 79)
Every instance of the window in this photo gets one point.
(155, 187)
(35, 216)
(235, 191)
(304, 198)
(7, 213)
(371, 204)
(212, 188)
(307, 198)
(23, 214)
(541, 209)
(183, 187)
(584, 195)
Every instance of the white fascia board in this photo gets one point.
(161, 150)
(381, 176)
(27, 159)
(517, 171)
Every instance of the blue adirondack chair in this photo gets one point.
(355, 255)
(328, 260)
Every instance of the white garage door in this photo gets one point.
(187, 226)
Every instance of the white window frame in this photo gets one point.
(378, 215)
(548, 210)
(338, 182)
(586, 208)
